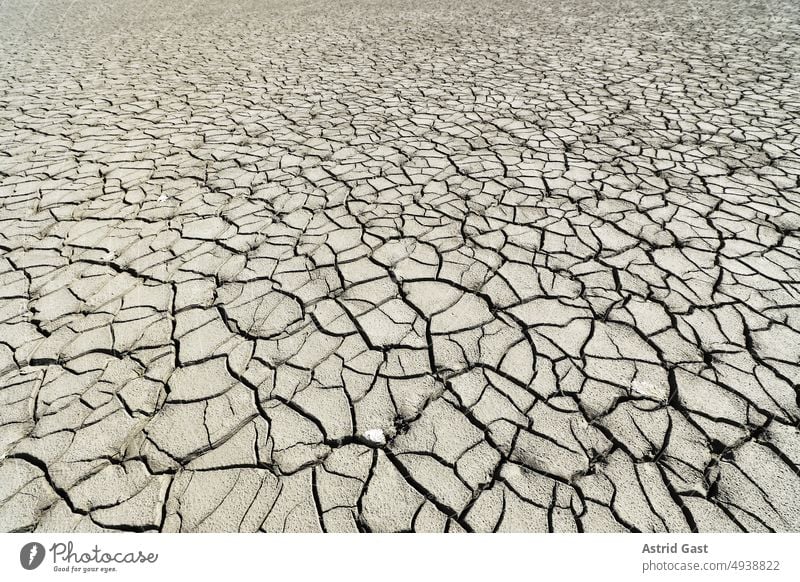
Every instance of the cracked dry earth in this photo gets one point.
(399, 266)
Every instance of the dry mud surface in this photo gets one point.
(401, 265)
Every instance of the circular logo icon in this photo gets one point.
(31, 555)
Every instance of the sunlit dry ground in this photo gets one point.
(399, 265)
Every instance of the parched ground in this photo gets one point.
(399, 265)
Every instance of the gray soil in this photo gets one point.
(399, 265)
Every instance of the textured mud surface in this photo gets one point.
(387, 266)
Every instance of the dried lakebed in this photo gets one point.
(399, 265)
